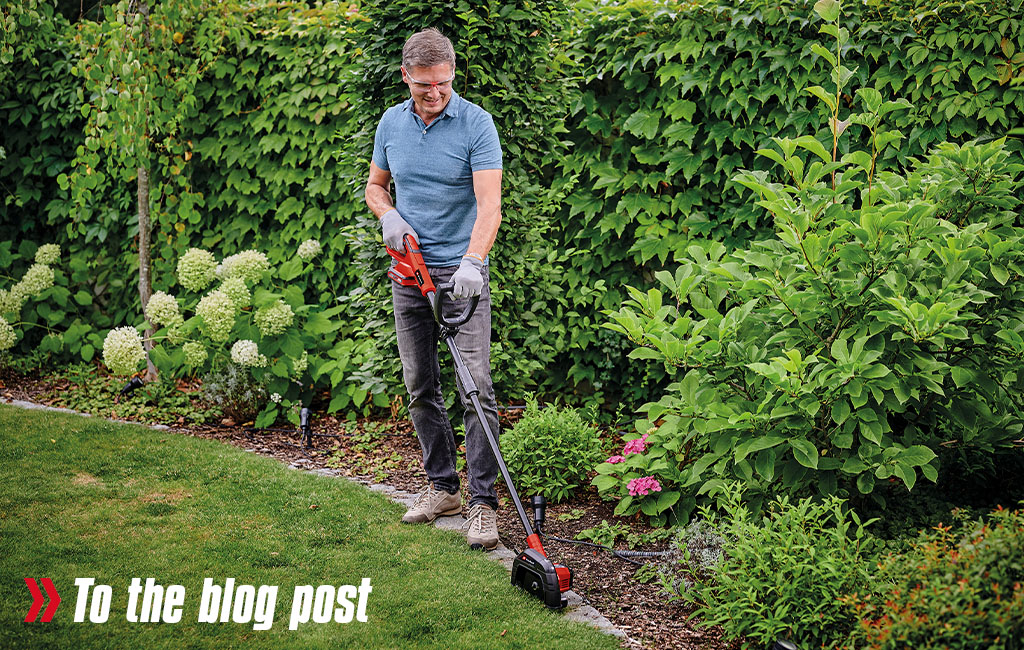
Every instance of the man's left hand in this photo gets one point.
(469, 279)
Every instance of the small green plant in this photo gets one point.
(782, 575)
(235, 392)
(695, 550)
(550, 450)
(163, 402)
(647, 573)
(958, 587)
(634, 539)
(363, 456)
(572, 515)
(604, 533)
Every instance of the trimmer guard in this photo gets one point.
(539, 577)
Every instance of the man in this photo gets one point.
(445, 159)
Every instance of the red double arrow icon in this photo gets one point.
(38, 600)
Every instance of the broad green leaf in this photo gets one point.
(805, 452)
(866, 483)
(827, 9)
(643, 123)
(840, 410)
(821, 93)
(666, 500)
(916, 456)
(906, 473)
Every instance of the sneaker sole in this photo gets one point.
(446, 513)
(481, 547)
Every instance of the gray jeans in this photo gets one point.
(417, 346)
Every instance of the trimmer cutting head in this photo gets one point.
(540, 577)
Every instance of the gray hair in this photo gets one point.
(428, 48)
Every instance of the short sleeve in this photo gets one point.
(380, 158)
(485, 148)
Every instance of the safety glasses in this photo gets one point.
(427, 86)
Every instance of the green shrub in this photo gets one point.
(958, 587)
(782, 575)
(883, 318)
(234, 392)
(677, 97)
(550, 450)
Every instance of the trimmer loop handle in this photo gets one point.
(446, 288)
(411, 271)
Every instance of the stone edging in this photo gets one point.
(577, 610)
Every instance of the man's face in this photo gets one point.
(431, 88)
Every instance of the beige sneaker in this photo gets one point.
(481, 527)
(431, 504)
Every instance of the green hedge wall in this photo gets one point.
(622, 125)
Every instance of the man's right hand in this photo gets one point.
(394, 229)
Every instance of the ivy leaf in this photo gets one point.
(643, 123)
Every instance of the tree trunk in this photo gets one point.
(145, 283)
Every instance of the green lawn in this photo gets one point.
(86, 498)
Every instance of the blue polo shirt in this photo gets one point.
(432, 167)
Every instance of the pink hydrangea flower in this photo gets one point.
(643, 486)
(615, 459)
(637, 446)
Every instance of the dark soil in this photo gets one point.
(388, 452)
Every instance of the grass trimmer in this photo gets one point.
(532, 571)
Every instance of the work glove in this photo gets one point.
(394, 228)
(469, 279)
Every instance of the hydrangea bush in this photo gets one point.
(31, 287)
(240, 312)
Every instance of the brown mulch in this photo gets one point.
(392, 456)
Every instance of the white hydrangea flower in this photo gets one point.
(309, 249)
(9, 302)
(122, 350)
(38, 278)
(217, 311)
(12, 300)
(48, 254)
(299, 365)
(162, 309)
(195, 353)
(248, 265)
(275, 398)
(274, 319)
(247, 353)
(7, 336)
(196, 269)
(237, 290)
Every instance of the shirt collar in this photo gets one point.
(451, 110)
